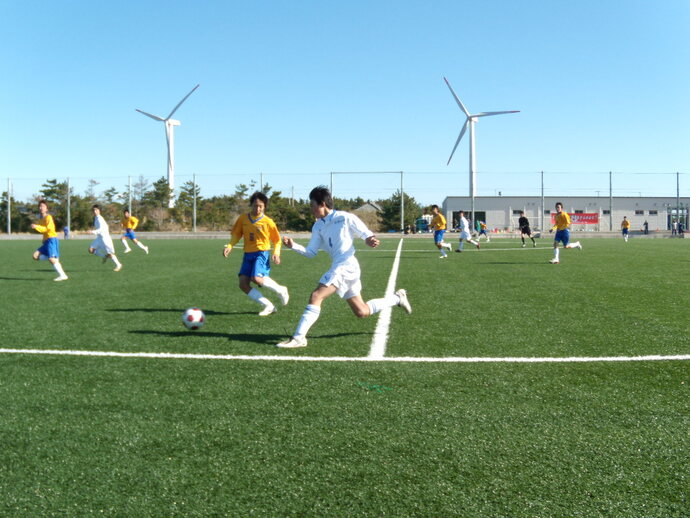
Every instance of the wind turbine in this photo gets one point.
(170, 139)
(470, 122)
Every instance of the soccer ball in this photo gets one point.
(193, 318)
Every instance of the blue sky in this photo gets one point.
(295, 90)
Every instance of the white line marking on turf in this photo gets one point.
(378, 342)
(402, 359)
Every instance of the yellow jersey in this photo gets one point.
(562, 221)
(625, 223)
(130, 222)
(438, 222)
(258, 234)
(46, 226)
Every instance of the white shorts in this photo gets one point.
(104, 243)
(465, 235)
(346, 279)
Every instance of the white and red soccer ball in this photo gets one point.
(193, 318)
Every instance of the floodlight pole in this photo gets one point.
(610, 201)
(9, 206)
(402, 204)
(129, 195)
(194, 202)
(69, 212)
(541, 218)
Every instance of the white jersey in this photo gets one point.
(103, 240)
(464, 228)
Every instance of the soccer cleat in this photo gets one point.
(105, 259)
(579, 246)
(128, 250)
(534, 245)
(403, 302)
(458, 250)
(118, 268)
(554, 261)
(442, 256)
(146, 249)
(268, 310)
(61, 278)
(523, 245)
(477, 246)
(292, 343)
(284, 296)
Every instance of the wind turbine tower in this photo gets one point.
(470, 121)
(170, 139)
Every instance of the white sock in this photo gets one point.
(309, 318)
(124, 243)
(114, 258)
(376, 305)
(556, 252)
(58, 269)
(272, 285)
(443, 253)
(475, 243)
(141, 245)
(256, 295)
(446, 245)
(461, 245)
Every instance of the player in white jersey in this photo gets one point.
(465, 233)
(334, 232)
(103, 246)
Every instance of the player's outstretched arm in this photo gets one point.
(372, 241)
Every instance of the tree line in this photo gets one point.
(150, 204)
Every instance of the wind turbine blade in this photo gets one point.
(180, 103)
(457, 100)
(462, 132)
(155, 117)
(487, 114)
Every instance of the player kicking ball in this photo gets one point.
(259, 232)
(562, 233)
(334, 232)
(103, 246)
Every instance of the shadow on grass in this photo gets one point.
(176, 310)
(266, 339)
(22, 279)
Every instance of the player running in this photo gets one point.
(482, 232)
(103, 245)
(625, 228)
(334, 232)
(129, 223)
(259, 233)
(525, 230)
(465, 233)
(50, 248)
(438, 225)
(562, 232)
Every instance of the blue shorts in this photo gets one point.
(563, 236)
(482, 232)
(625, 231)
(50, 247)
(438, 236)
(256, 264)
(130, 234)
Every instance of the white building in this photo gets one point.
(502, 212)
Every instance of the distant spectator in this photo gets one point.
(646, 227)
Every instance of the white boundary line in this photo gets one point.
(402, 359)
(378, 343)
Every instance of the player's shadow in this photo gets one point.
(265, 339)
(20, 279)
(174, 310)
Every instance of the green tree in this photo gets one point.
(19, 220)
(159, 195)
(390, 217)
(185, 203)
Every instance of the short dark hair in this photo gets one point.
(258, 196)
(43, 202)
(96, 206)
(126, 210)
(522, 212)
(434, 207)
(559, 203)
(322, 196)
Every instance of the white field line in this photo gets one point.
(378, 342)
(402, 359)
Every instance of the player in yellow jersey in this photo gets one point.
(50, 249)
(129, 223)
(562, 232)
(438, 225)
(259, 233)
(625, 227)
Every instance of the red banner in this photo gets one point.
(583, 218)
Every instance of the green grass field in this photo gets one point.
(133, 436)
